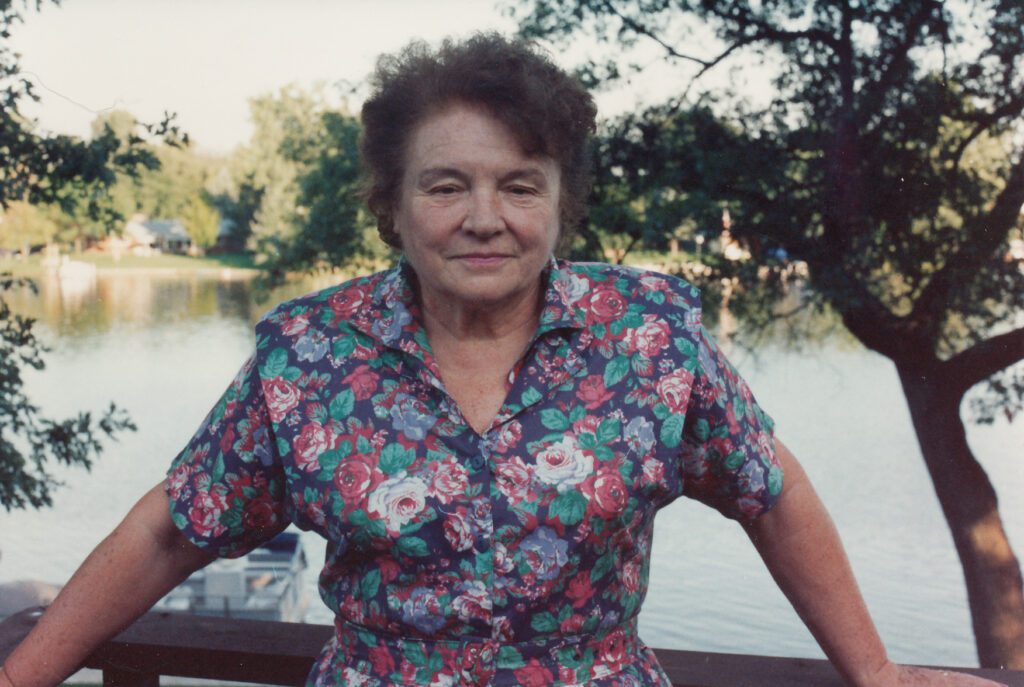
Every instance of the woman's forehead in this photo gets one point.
(463, 135)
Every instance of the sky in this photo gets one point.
(204, 59)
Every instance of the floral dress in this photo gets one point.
(518, 556)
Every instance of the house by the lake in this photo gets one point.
(148, 236)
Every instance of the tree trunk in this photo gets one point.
(991, 571)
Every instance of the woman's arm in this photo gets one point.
(139, 562)
(801, 547)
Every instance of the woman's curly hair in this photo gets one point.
(548, 111)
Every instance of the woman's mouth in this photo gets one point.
(482, 259)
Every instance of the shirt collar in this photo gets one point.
(563, 287)
(393, 316)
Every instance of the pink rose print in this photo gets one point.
(227, 439)
(604, 304)
(533, 674)
(653, 471)
(653, 283)
(295, 326)
(177, 481)
(587, 423)
(353, 478)
(205, 513)
(514, 478)
(674, 390)
(503, 560)
(313, 440)
(449, 481)
(572, 625)
(580, 591)
(509, 435)
(631, 576)
(281, 396)
(260, 513)
(457, 530)
(649, 339)
(613, 650)
(346, 302)
(592, 392)
(363, 381)
(564, 464)
(609, 494)
(473, 601)
(382, 661)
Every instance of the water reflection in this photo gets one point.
(136, 300)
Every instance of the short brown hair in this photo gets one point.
(548, 111)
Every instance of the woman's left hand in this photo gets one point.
(893, 675)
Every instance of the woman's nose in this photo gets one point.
(484, 216)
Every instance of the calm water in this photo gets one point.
(164, 347)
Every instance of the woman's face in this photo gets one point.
(477, 217)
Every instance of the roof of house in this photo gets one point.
(150, 230)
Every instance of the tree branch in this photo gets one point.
(642, 30)
(982, 360)
(764, 30)
(900, 52)
(983, 121)
(983, 235)
(862, 313)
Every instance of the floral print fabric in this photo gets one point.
(519, 556)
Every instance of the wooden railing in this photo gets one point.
(282, 654)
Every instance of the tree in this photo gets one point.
(287, 132)
(336, 229)
(166, 189)
(25, 225)
(37, 168)
(297, 186)
(202, 222)
(890, 160)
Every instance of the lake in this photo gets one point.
(163, 346)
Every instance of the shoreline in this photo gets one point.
(234, 266)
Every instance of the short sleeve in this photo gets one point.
(226, 488)
(728, 447)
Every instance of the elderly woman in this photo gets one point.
(483, 434)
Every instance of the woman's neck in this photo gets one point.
(457, 322)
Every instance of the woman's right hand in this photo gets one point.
(139, 562)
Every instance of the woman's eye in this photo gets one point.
(446, 190)
(522, 191)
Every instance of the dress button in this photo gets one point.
(476, 461)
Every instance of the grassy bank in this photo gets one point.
(179, 263)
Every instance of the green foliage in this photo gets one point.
(25, 225)
(294, 188)
(167, 190)
(38, 168)
(202, 222)
(61, 171)
(28, 439)
(286, 134)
